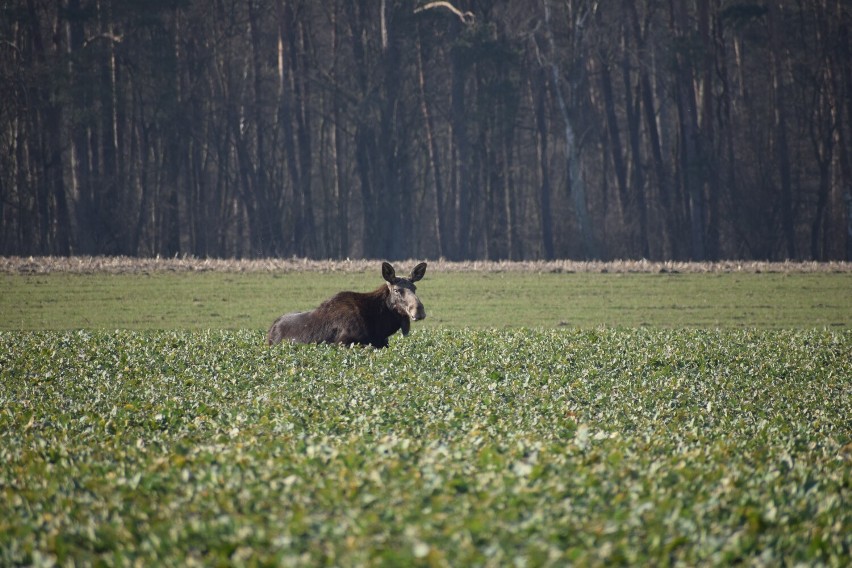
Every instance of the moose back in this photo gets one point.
(357, 318)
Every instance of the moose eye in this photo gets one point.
(398, 291)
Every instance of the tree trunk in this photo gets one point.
(649, 110)
(307, 243)
(689, 156)
(52, 202)
(268, 229)
(616, 149)
(432, 152)
(394, 193)
(707, 137)
(464, 186)
(576, 185)
(637, 181)
(341, 182)
(782, 151)
(544, 167)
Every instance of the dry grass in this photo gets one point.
(125, 265)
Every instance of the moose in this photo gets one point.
(357, 318)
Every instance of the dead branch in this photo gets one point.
(467, 18)
(105, 36)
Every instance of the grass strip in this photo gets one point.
(216, 300)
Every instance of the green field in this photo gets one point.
(214, 300)
(531, 420)
(452, 447)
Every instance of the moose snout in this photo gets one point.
(419, 312)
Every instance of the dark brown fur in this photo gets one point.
(357, 318)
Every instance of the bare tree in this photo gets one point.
(576, 184)
(498, 129)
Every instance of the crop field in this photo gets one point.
(668, 444)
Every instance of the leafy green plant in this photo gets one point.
(451, 447)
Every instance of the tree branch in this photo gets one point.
(106, 36)
(467, 18)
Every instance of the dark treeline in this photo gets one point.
(499, 129)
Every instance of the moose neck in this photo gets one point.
(389, 319)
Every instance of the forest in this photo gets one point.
(468, 129)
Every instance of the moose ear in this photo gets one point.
(418, 272)
(388, 273)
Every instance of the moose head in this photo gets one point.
(402, 297)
